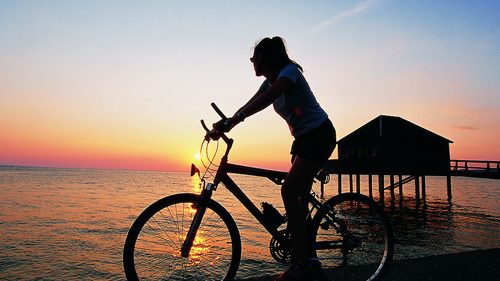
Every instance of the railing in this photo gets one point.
(480, 168)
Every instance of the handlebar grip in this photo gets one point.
(205, 126)
(218, 111)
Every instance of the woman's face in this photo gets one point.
(257, 64)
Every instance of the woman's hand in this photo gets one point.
(224, 125)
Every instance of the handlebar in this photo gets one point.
(213, 134)
(218, 111)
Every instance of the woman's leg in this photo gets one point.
(297, 184)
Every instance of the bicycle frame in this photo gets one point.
(222, 176)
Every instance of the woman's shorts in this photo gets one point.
(317, 144)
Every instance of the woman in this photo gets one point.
(286, 88)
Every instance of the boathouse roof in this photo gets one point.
(393, 145)
(388, 127)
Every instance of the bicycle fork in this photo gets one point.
(200, 207)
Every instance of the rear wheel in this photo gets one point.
(353, 238)
(152, 247)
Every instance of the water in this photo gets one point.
(68, 224)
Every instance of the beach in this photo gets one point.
(481, 265)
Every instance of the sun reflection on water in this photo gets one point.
(199, 249)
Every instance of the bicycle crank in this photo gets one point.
(281, 253)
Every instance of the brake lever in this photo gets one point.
(211, 134)
(205, 126)
(215, 135)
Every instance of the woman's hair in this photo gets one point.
(274, 52)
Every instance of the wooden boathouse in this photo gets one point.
(393, 146)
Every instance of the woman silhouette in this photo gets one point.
(314, 140)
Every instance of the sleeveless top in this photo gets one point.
(297, 106)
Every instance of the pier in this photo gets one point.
(475, 168)
(458, 168)
(393, 147)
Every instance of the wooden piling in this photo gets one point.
(400, 178)
(370, 185)
(392, 187)
(339, 181)
(350, 183)
(417, 188)
(358, 183)
(423, 187)
(448, 183)
(381, 187)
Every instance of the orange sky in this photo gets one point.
(124, 86)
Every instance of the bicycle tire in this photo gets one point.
(153, 243)
(366, 251)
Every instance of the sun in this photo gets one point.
(197, 156)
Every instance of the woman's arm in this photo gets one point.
(259, 92)
(262, 100)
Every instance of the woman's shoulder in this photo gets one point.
(290, 71)
(291, 67)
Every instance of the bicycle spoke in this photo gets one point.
(160, 232)
(353, 232)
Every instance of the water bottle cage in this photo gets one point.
(272, 216)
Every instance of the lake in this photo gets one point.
(68, 224)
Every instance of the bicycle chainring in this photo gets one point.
(281, 253)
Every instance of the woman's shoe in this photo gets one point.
(293, 273)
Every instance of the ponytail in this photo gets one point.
(274, 51)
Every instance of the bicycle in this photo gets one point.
(192, 237)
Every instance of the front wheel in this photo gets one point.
(353, 238)
(152, 248)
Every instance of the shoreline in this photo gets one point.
(478, 265)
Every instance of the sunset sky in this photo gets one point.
(123, 84)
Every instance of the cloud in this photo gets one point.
(466, 128)
(356, 10)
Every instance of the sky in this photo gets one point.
(124, 84)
